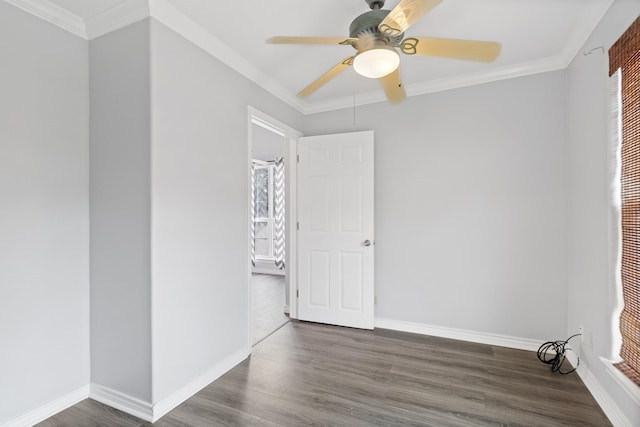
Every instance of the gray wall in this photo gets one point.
(44, 212)
(199, 207)
(472, 190)
(592, 227)
(120, 211)
(470, 206)
(266, 145)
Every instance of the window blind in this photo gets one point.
(624, 55)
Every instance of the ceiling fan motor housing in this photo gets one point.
(367, 24)
(375, 4)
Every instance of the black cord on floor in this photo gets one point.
(553, 353)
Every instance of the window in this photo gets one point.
(624, 55)
(264, 211)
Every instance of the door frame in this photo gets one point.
(291, 135)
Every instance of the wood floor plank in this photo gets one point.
(205, 412)
(274, 385)
(447, 383)
(311, 374)
(267, 305)
(534, 412)
(91, 413)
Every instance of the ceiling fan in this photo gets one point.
(378, 33)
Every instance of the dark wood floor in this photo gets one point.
(267, 305)
(323, 375)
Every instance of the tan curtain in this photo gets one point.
(624, 55)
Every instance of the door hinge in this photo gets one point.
(297, 293)
(298, 226)
(298, 158)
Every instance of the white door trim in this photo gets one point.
(257, 117)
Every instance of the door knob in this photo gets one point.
(366, 243)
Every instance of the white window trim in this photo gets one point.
(270, 219)
(625, 383)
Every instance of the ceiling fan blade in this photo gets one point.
(312, 40)
(323, 79)
(393, 87)
(404, 15)
(470, 50)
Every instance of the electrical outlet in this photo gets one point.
(581, 332)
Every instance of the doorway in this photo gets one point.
(271, 147)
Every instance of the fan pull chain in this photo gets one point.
(354, 97)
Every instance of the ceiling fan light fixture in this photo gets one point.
(376, 63)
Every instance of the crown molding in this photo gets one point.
(586, 24)
(502, 73)
(130, 11)
(165, 13)
(54, 14)
(116, 17)
(456, 82)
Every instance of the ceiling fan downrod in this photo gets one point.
(375, 4)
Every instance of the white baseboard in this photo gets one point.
(632, 390)
(147, 411)
(459, 334)
(123, 402)
(287, 309)
(599, 393)
(608, 405)
(50, 409)
(170, 402)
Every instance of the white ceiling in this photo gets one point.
(536, 36)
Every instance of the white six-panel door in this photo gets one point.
(335, 236)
